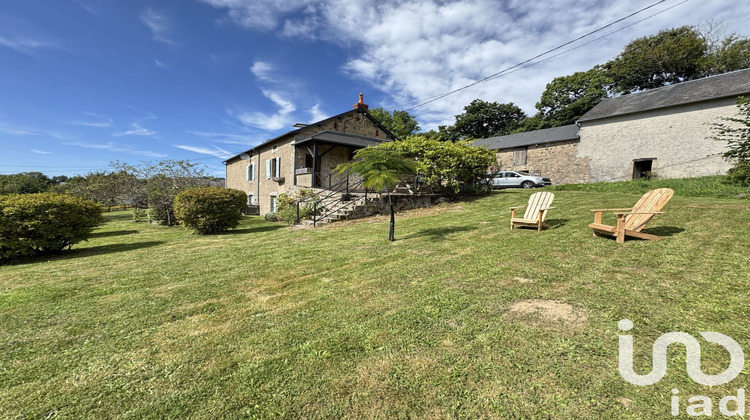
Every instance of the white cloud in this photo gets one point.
(99, 121)
(160, 64)
(416, 49)
(40, 152)
(24, 44)
(136, 130)
(216, 151)
(117, 149)
(270, 122)
(263, 71)
(225, 138)
(316, 114)
(158, 24)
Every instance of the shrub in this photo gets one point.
(287, 205)
(44, 223)
(209, 210)
(271, 217)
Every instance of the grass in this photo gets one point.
(266, 321)
(706, 186)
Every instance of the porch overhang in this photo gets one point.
(339, 139)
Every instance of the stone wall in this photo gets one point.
(557, 161)
(676, 137)
(400, 203)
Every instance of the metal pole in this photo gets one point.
(297, 213)
(347, 183)
(315, 213)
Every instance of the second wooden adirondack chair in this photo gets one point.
(536, 211)
(631, 221)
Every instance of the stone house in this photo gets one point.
(665, 132)
(551, 152)
(303, 158)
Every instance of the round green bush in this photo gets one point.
(209, 210)
(44, 223)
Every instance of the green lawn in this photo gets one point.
(265, 321)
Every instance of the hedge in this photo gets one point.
(210, 210)
(44, 223)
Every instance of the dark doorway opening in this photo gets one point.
(642, 168)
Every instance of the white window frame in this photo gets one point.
(250, 199)
(273, 168)
(250, 172)
(274, 203)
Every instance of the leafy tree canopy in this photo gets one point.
(567, 98)
(671, 56)
(736, 132)
(24, 183)
(400, 123)
(485, 119)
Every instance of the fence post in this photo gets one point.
(347, 183)
(315, 213)
(297, 212)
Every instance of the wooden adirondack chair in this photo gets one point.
(536, 211)
(631, 221)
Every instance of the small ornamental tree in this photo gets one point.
(736, 132)
(381, 169)
(210, 210)
(449, 167)
(44, 223)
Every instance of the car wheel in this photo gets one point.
(527, 184)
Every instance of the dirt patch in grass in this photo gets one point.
(546, 313)
(523, 279)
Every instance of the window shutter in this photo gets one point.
(252, 172)
(278, 167)
(268, 169)
(247, 173)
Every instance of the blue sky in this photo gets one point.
(87, 82)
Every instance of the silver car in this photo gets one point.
(512, 179)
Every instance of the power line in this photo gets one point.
(423, 102)
(592, 41)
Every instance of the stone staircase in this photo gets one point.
(338, 209)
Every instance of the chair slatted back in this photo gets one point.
(538, 201)
(652, 201)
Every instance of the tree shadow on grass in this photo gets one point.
(663, 230)
(439, 233)
(113, 233)
(257, 229)
(556, 223)
(84, 252)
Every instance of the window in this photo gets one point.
(308, 161)
(250, 199)
(519, 156)
(273, 168)
(273, 203)
(250, 172)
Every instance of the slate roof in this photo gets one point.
(529, 138)
(725, 85)
(343, 139)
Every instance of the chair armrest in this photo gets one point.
(517, 207)
(630, 208)
(640, 212)
(548, 208)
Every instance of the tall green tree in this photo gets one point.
(732, 53)
(486, 119)
(567, 98)
(400, 123)
(671, 56)
(735, 131)
(24, 183)
(381, 169)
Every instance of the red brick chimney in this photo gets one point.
(361, 104)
